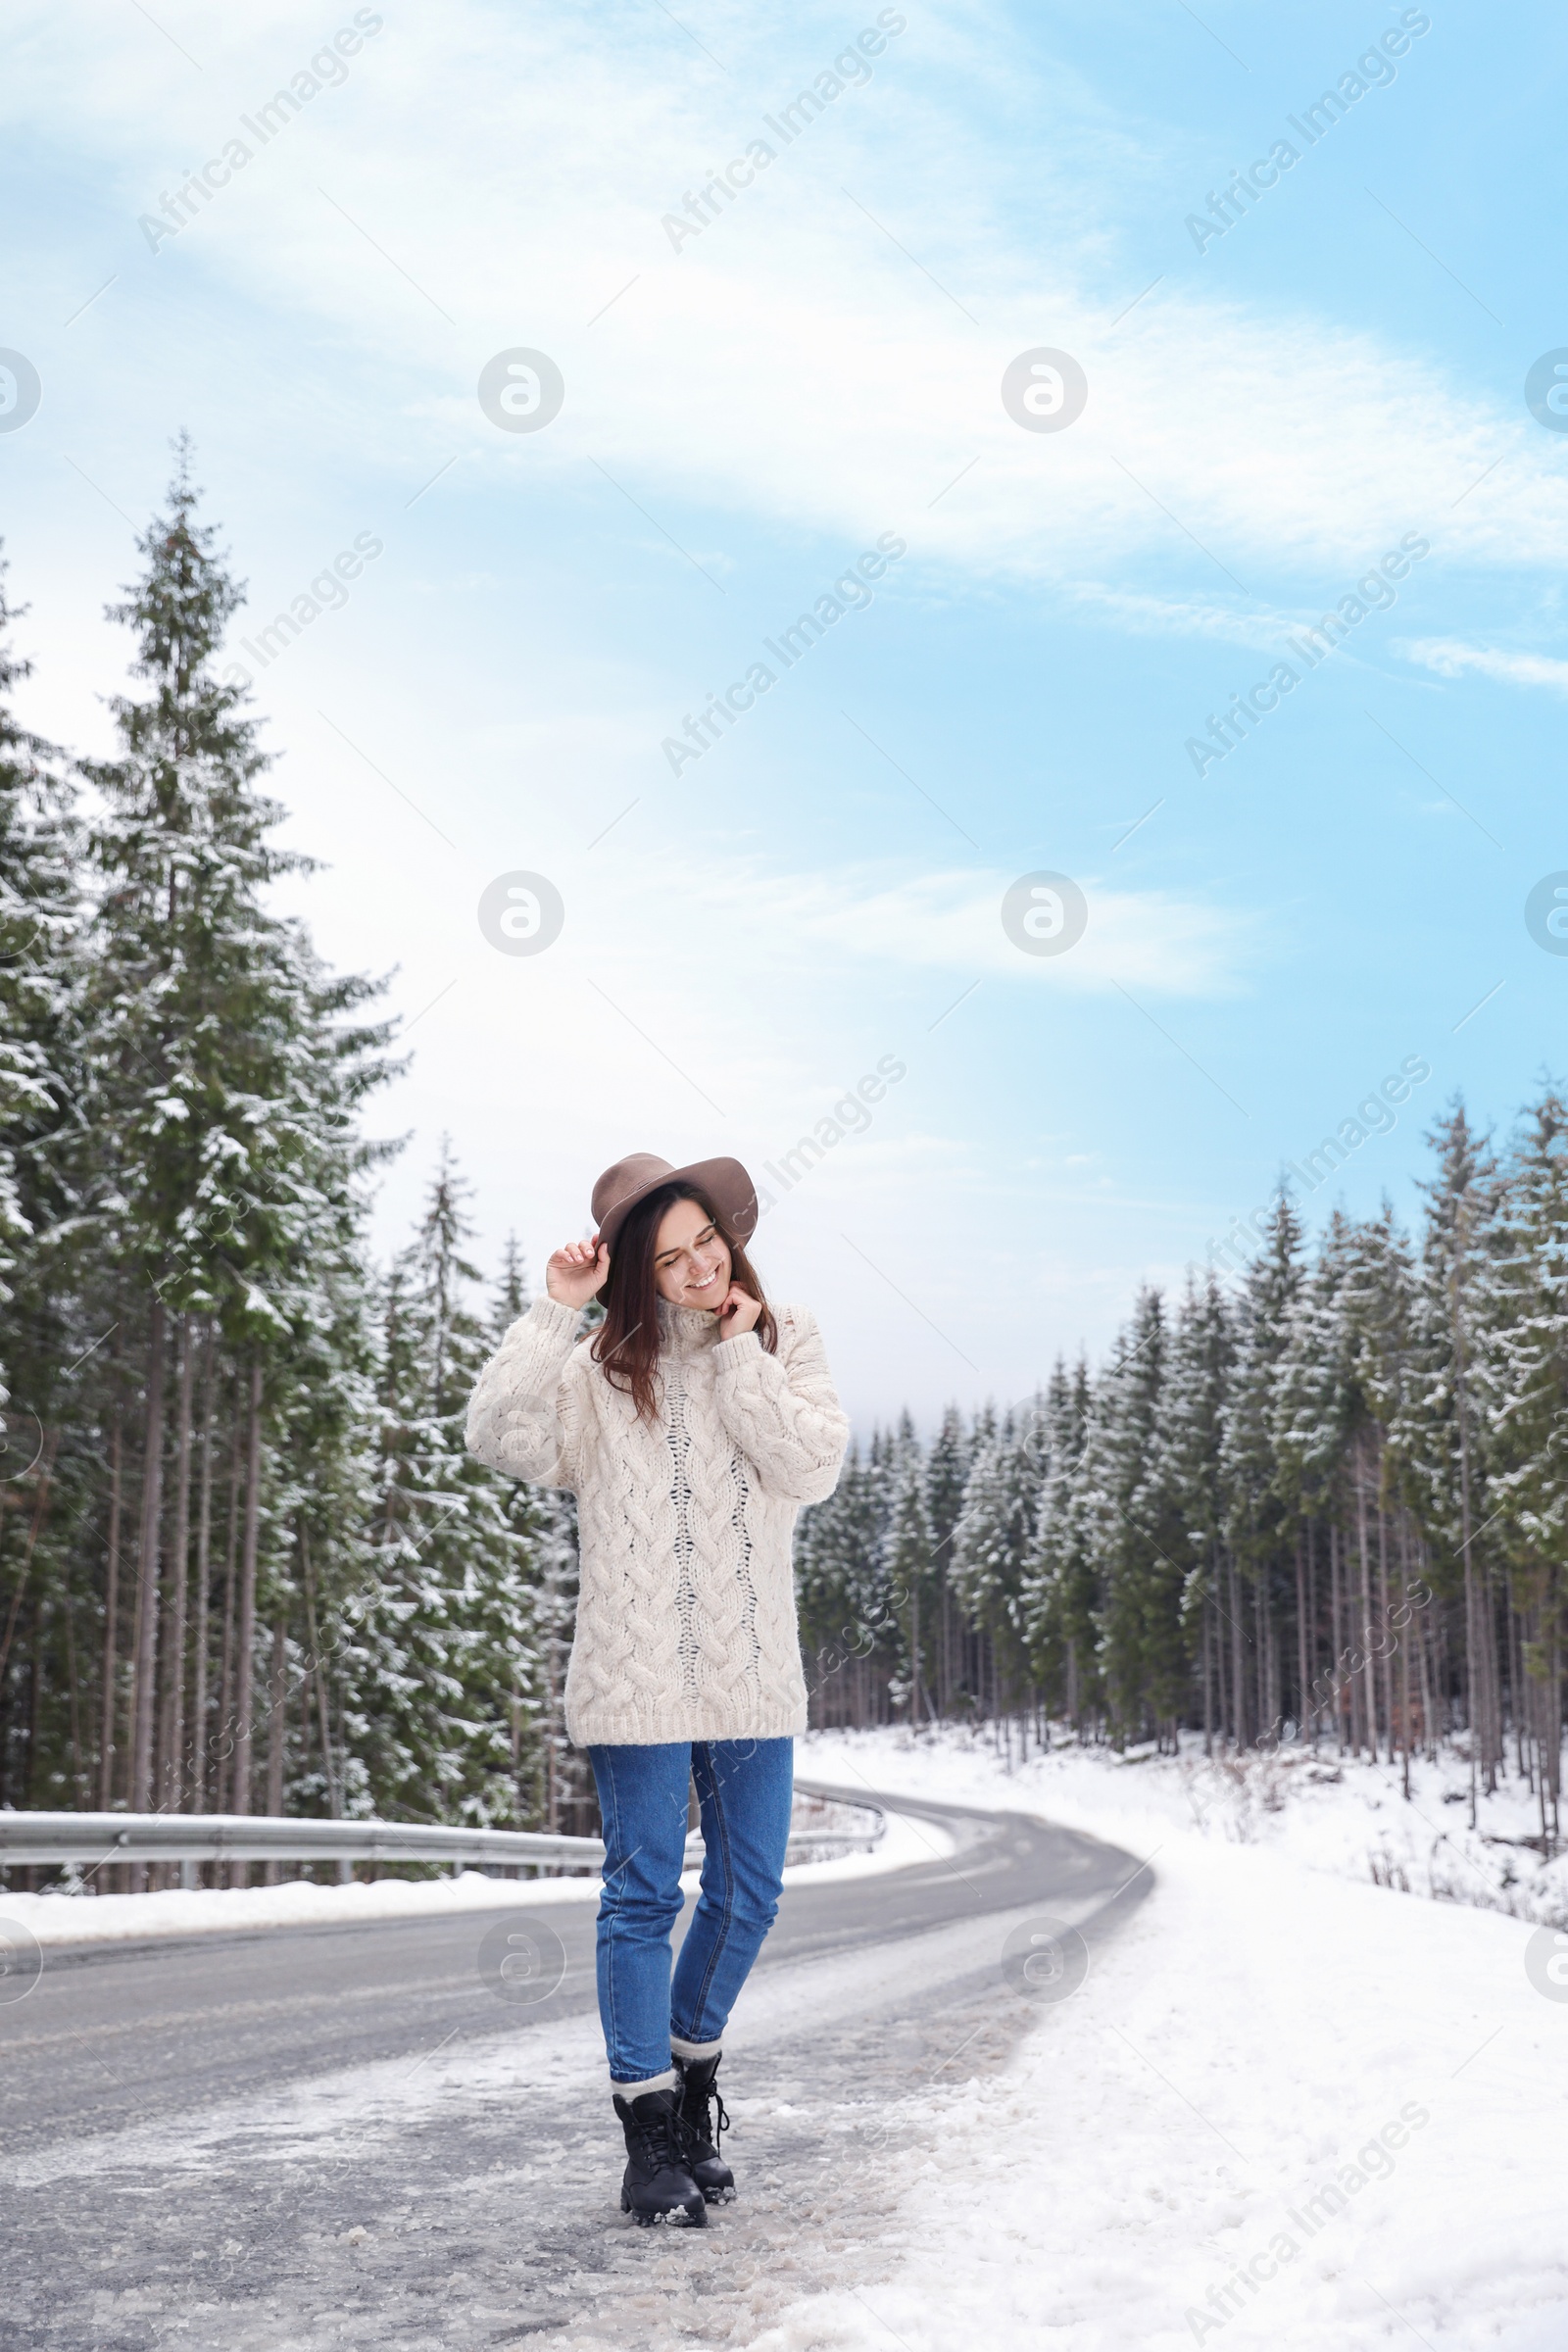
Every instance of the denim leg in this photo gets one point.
(642, 1799)
(744, 1788)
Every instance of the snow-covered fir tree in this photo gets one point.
(905, 1564)
(447, 1651)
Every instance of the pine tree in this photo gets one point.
(1190, 1445)
(448, 1638)
(40, 911)
(1317, 1410)
(548, 1774)
(1143, 1644)
(993, 1542)
(178, 1029)
(1524, 1396)
(946, 1469)
(1442, 1431)
(41, 1486)
(191, 1191)
(905, 1564)
(1061, 1596)
(1379, 1307)
(838, 1585)
(1260, 1528)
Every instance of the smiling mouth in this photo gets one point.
(707, 1282)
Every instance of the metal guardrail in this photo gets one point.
(54, 1838)
(845, 1842)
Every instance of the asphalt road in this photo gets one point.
(347, 2135)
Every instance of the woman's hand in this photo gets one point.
(738, 1311)
(578, 1273)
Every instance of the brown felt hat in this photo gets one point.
(724, 1181)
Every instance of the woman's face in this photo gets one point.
(691, 1258)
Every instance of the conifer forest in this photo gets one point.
(246, 1564)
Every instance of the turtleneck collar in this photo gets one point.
(685, 1329)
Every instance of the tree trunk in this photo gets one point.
(203, 1636)
(915, 1651)
(1369, 1698)
(1554, 1711)
(1477, 1626)
(1303, 1704)
(1386, 1660)
(334, 1801)
(1313, 1624)
(79, 1776)
(173, 1779)
(245, 1626)
(1429, 1704)
(1334, 1617)
(147, 1566)
(1404, 1655)
(223, 1752)
(276, 1728)
(109, 1693)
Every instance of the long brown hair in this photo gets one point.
(626, 1342)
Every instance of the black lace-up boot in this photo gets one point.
(704, 2121)
(657, 2180)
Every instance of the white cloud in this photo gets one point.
(793, 364)
(1258, 627)
(1452, 659)
(950, 921)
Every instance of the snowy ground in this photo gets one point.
(1343, 1815)
(1347, 1817)
(329, 2142)
(60, 1918)
(1282, 2109)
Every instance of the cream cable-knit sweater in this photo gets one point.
(686, 1601)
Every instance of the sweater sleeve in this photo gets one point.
(517, 1417)
(782, 1410)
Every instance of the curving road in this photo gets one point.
(343, 2136)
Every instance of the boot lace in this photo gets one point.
(704, 2131)
(663, 2140)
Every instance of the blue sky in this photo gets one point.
(1271, 412)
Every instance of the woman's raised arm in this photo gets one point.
(515, 1418)
(782, 1410)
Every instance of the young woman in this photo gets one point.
(691, 1427)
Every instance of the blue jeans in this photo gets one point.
(744, 1790)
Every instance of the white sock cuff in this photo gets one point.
(634, 2090)
(694, 2051)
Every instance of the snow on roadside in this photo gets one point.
(1282, 2110)
(1345, 1815)
(60, 1919)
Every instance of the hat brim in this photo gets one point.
(725, 1182)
